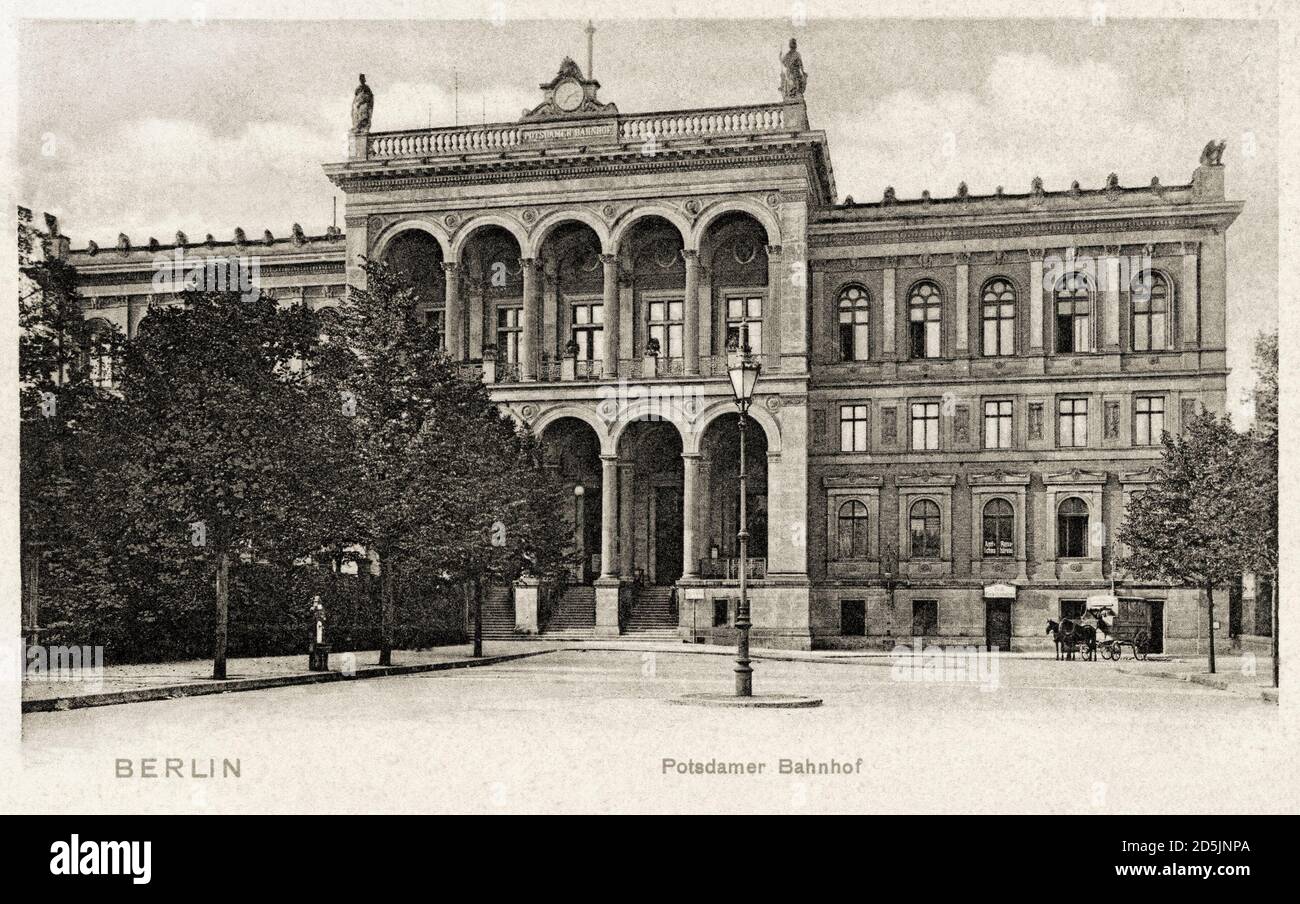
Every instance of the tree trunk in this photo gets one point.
(223, 615)
(477, 590)
(1209, 598)
(387, 576)
(1276, 650)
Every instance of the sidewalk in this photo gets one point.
(1245, 676)
(170, 680)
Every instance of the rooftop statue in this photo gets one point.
(1212, 155)
(363, 104)
(793, 78)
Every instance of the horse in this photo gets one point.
(1054, 629)
(1073, 634)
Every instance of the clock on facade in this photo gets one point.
(568, 95)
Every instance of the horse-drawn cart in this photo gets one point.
(1136, 637)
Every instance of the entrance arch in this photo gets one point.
(652, 512)
(572, 449)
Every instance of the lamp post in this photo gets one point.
(743, 371)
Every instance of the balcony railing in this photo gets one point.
(729, 569)
(668, 126)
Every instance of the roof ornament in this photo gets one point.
(890, 196)
(1036, 187)
(181, 240)
(239, 236)
(267, 237)
(962, 190)
(1212, 155)
(363, 104)
(794, 80)
(298, 237)
(123, 242)
(91, 248)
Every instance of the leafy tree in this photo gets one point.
(59, 477)
(1262, 523)
(439, 473)
(1191, 525)
(222, 425)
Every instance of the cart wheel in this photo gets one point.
(1112, 652)
(1141, 644)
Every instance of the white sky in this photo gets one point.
(147, 128)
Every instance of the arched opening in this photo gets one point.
(492, 285)
(734, 280)
(1072, 529)
(720, 495)
(651, 252)
(999, 529)
(416, 258)
(572, 449)
(573, 309)
(651, 512)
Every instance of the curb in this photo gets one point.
(235, 685)
(1267, 694)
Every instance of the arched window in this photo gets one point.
(924, 523)
(854, 310)
(999, 298)
(1073, 297)
(999, 529)
(101, 356)
(925, 321)
(1072, 529)
(853, 530)
(1150, 295)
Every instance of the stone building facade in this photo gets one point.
(959, 395)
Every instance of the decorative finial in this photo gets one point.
(267, 237)
(962, 190)
(91, 248)
(123, 242)
(298, 237)
(181, 240)
(890, 196)
(1037, 185)
(239, 236)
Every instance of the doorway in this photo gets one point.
(668, 534)
(997, 625)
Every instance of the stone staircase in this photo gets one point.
(573, 615)
(498, 614)
(652, 615)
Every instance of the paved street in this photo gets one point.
(590, 731)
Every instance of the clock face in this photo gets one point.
(568, 95)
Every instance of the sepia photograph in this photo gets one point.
(765, 408)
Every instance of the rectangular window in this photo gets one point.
(924, 331)
(588, 329)
(853, 618)
(853, 428)
(720, 611)
(509, 331)
(745, 323)
(1073, 609)
(1073, 325)
(925, 618)
(666, 326)
(925, 425)
(1149, 420)
(997, 424)
(1072, 423)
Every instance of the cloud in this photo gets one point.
(1030, 116)
(153, 176)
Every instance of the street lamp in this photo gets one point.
(743, 371)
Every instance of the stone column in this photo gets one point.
(453, 312)
(690, 514)
(1109, 332)
(608, 517)
(1189, 300)
(691, 311)
(626, 508)
(776, 272)
(889, 318)
(528, 322)
(961, 305)
(1036, 300)
(611, 313)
